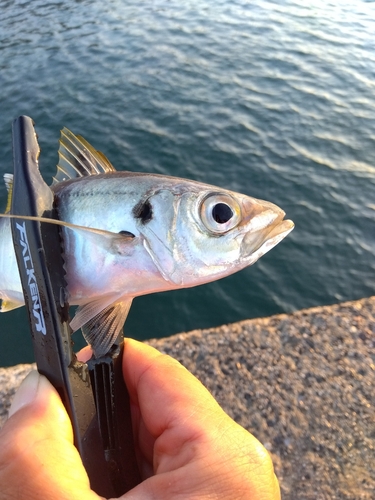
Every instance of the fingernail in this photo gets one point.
(85, 354)
(26, 393)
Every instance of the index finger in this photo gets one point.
(166, 392)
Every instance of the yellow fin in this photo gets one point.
(77, 158)
(8, 179)
(103, 164)
(8, 305)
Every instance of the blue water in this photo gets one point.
(272, 98)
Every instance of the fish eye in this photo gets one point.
(220, 213)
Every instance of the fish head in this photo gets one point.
(199, 235)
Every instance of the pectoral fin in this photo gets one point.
(122, 243)
(101, 324)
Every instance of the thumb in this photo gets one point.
(37, 456)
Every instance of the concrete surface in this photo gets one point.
(302, 383)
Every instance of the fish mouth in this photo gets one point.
(265, 227)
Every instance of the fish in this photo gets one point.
(127, 234)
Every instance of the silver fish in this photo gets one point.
(129, 234)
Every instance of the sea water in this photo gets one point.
(275, 99)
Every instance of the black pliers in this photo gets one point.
(94, 393)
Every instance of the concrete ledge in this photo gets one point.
(302, 383)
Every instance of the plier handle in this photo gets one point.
(94, 393)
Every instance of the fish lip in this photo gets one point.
(258, 214)
(264, 226)
(277, 231)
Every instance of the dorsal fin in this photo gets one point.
(8, 179)
(77, 158)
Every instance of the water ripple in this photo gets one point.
(272, 98)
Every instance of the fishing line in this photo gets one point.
(69, 225)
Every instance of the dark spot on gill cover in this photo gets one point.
(143, 211)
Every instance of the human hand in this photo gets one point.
(188, 448)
